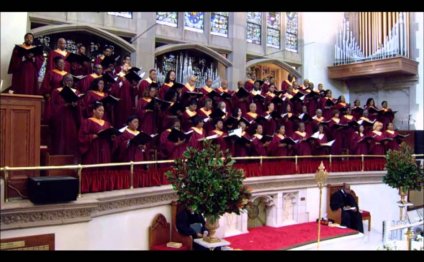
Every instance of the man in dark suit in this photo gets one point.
(191, 224)
(351, 217)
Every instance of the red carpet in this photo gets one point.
(271, 238)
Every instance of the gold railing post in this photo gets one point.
(80, 180)
(260, 160)
(362, 162)
(295, 163)
(331, 162)
(6, 184)
(132, 174)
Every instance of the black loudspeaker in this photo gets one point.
(419, 142)
(52, 189)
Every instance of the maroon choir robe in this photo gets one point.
(25, 73)
(377, 146)
(372, 112)
(241, 147)
(289, 122)
(327, 111)
(358, 145)
(285, 85)
(258, 148)
(88, 101)
(127, 151)
(249, 85)
(303, 147)
(228, 105)
(209, 125)
(198, 133)
(392, 144)
(78, 69)
(85, 83)
(386, 116)
(126, 106)
(318, 149)
(55, 53)
(148, 118)
(144, 85)
(220, 140)
(94, 150)
(276, 148)
(164, 88)
(269, 125)
(52, 80)
(186, 122)
(168, 149)
(64, 125)
(337, 133)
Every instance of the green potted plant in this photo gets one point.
(402, 171)
(207, 182)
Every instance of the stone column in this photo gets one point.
(145, 44)
(237, 33)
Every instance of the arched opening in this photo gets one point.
(43, 31)
(265, 67)
(191, 59)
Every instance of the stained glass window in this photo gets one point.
(193, 21)
(254, 24)
(219, 23)
(121, 14)
(167, 18)
(273, 25)
(291, 31)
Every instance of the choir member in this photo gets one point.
(125, 63)
(385, 115)
(81, 68)
(196, 139)
(151, 80)
(259, 148)
(242, 146)
(188, 115)
(250, 83)
(147, 114)
(317, 119)
(223, 89)
(96, 93)
(127, 151)
(205, 112)
(287, 83)
(25, 67)
(303, 147)
(61, 52)
(393, 142)
(233, 121)
(289, 120)
(168, 84)
(321, 138)
(241, 101)
(276, 148)
(64, 121)
(85, 83)
(251, 115)
(359, 144)
(326, 104)
(93, 148)
(371, 108)
(221, 135)
(357, 110)
(107, 53)
(337, 132)
(170, 149)
(207, 88)
(269, 123)
(52, 80)
(377, 147)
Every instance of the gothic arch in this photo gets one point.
(53, 29)
(206, 50)
(276, 62)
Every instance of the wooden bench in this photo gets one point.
(337, 215)
(159, 234)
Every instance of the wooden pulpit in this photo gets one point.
(20, 117)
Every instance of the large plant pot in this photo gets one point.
(211, 225)
(403, 195)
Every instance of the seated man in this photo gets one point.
(191, 224)
(351, 217)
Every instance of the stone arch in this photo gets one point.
(206, 50)
(54, 29)
(276, 62)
